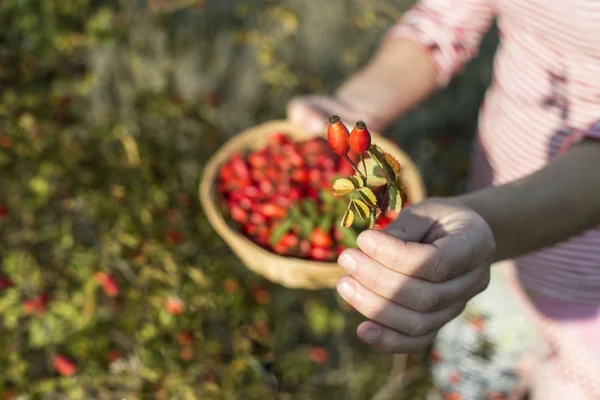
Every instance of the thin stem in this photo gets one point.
(372, 221)
(362, 158)
(355, 167)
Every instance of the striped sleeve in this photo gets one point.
(590, 132)
(451, 30)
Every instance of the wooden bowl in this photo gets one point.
(288, 271)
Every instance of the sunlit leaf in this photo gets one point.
(395, 200)
(361, 208)
(342, 187)
(377, 153)
(357, 181)
(348, 218)
(368, 196)
(393, 163)
(375, 175)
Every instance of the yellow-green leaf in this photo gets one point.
(375, 175)
(393, 163)
(348, 219)
(395, 200)
(342, 186)
(368, 196)
(357, 181)
(361, 208)
(377, 153)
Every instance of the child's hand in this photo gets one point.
(311, 112)
(418, 274)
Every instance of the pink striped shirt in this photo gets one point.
(545, 95)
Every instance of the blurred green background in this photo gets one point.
(108, 111)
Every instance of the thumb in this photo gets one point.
(410, 225)
(312, 112)
(302, 112)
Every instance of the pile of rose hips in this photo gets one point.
(280, 197)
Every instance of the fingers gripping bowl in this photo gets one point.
(277, 223)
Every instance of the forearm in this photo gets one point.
(402, 74)
(550, 206)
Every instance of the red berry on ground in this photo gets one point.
(230, 285)
(64, 366)
(360, 138)
(5, 282)
(5, 142)
(113, 356)
(186, 353)
(261, 295)
(338, 136)
(185, 338)
(174, 306)
(9, 394)
(36, 305)
(109, 284)
(318, 355)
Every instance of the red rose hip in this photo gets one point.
(360, 138)
(337, 136)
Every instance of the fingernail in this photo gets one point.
(366, 242)
(348, 262)
(369, 334)
(346, 289)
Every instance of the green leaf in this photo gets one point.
(306, 227)
(342, 187)
(393, 163)
(361, 208)
(280, 230)
(327, 198)
(295, 213)
(326, 223)
(357, 181)
(395, 200)
(348, 218)
(375, 177)
(37, 334)
(368, 196)
(318, 319)
(337, 321)
(379, 155)
(311, 208)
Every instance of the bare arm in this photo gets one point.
(559, 201)
(401, 75)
